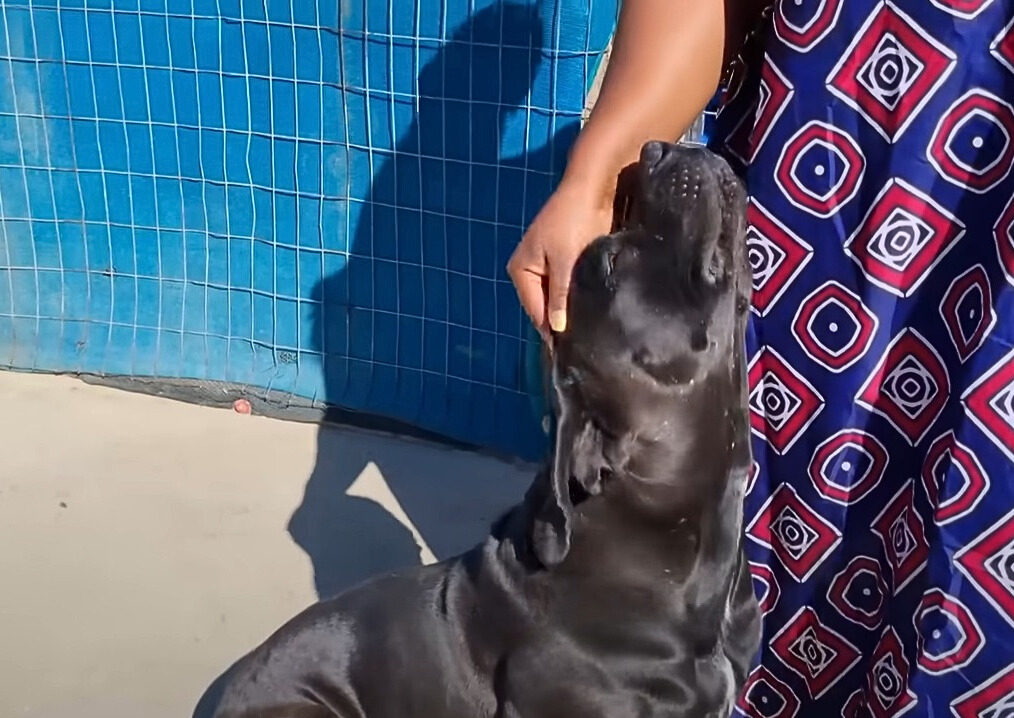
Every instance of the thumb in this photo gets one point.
(559, 287)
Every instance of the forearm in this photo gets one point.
(665, 66)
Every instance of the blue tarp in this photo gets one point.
(310, 203)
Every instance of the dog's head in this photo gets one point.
(656, 322)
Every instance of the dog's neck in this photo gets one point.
(682, 454)
(684, 460)
(685, 464)
(683, 481)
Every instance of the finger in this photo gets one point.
(532, 294)
(559, 286)
(529, 283)
(543, 326)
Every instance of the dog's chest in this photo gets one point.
(621, 677)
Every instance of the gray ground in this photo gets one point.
(145, 544)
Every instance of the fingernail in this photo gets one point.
(558, 320)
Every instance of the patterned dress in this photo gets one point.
(877, 140)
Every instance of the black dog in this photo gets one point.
(618, 587)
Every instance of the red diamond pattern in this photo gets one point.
(782, 402)
(800, 538)
(764, 576)
(890, 70)
(1002, 47)
(988, 562)
(903, 237)
(992, 699)
(820, 195)
(774, 94)
(776, 255)
(989, 402)
(902, 534)
(887, 683)
(814, 652)
(909, 386)
(946, 459)
(751, 477)
(855, 705)
(1003, 233)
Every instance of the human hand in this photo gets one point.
(542, 263)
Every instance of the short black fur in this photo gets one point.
(618, 587)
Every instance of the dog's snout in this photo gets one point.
(654, 153)
(680, 170)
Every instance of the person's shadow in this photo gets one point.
(416, 236)
(467, 93)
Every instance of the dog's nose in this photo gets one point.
(654, 153)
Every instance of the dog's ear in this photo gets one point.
(577, 457)
(587, 457)
(552, 525)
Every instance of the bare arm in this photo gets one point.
(665, 67)
(666, 64)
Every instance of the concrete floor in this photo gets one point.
(146, 544)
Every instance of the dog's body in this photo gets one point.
(618, 588)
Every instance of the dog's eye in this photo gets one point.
(611, 260)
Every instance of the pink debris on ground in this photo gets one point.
(241, 406)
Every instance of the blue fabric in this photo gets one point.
(877, 140)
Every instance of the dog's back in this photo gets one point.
(609, 633)
(368, 652)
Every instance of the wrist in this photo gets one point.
(593, 170)
(593, 190)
